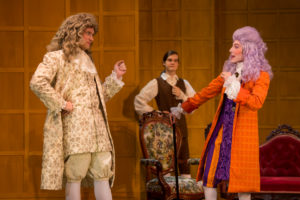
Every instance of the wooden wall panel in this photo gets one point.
(117, 5)
(11, 14)
(118, 107)
(12, 87)
(200, 53)
(12, 49)
(145, 54)
(41, 13)
(194, 135)
(119, 31)
(166, 23)
(233, 5)
(109, 59)
(36, 132)
(198, 5)
(145, 28)
(289, 78)
(197, 23)
(91, 6)
(266, 26)
(289, 50)
(288, 4)
(289, 24)
(12, 132)
(268, 115)
(34, 180)
(232, 21)
(289, 111)
(38, 41)
(165, 5)
(261, 5)
(272, 52)
(11, 173)
(199, 78)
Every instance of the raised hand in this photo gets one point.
(225, 75)
(120, 68)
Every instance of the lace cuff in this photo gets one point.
(63, 105)
(177, 111)
(118, 81)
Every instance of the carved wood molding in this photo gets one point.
(283, 129)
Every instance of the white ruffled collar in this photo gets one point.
(84, 62)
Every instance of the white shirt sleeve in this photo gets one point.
(146, 94)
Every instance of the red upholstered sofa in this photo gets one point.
(279, 166)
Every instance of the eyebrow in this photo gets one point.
(172, 59)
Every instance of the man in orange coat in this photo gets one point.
(231, 151)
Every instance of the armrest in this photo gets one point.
(152, 162)
(161, 180)
(193, 161)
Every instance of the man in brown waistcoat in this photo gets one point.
(168, 90)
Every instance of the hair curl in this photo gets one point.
(254, 50)
(69, 34)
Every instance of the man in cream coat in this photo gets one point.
(77, 139)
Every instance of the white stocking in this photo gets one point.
(210, 193)
(244, 196)
(102, 190)
(73, 191)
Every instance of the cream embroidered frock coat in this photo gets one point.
(85, 129)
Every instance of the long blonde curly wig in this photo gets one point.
(70, 32)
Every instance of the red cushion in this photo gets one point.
(280, 184)
(280, 157)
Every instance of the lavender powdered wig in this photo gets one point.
(254, 50)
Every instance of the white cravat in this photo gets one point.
(233, 83)
(172, 80)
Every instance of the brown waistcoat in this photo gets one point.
(165, 100)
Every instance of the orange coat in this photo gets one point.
(244, 165)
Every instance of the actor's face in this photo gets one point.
(171, 64)
(87, 38)
(236, 52)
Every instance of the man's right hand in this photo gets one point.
(68, 107)
(225, 75)
(177, 111)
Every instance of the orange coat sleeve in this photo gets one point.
(214, 88)
(255, 99)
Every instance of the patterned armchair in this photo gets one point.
(156, 138)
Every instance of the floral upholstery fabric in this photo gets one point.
(159, 143)
(186, 185)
